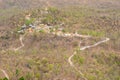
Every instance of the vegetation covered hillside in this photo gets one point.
(59, 40)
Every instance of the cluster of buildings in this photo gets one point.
(37, 26)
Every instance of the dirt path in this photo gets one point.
(83, 48)
(6, 75)
(70, 58)
(21, 42)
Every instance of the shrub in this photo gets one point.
(22, 78)
(41, 31)
(28, 22)
(53, 17)
(78, 59)
(4, 79)
(92, 33)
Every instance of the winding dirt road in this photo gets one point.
(70, 58)
(83, 48)
(21, 42)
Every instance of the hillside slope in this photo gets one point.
(73, 40)
(35, 3)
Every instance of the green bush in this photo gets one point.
(92, 33)
(41, 31)
(78, 59)
(28, 22)
(53, 10)
(4, 79)
(22, 78)
(53, 17)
